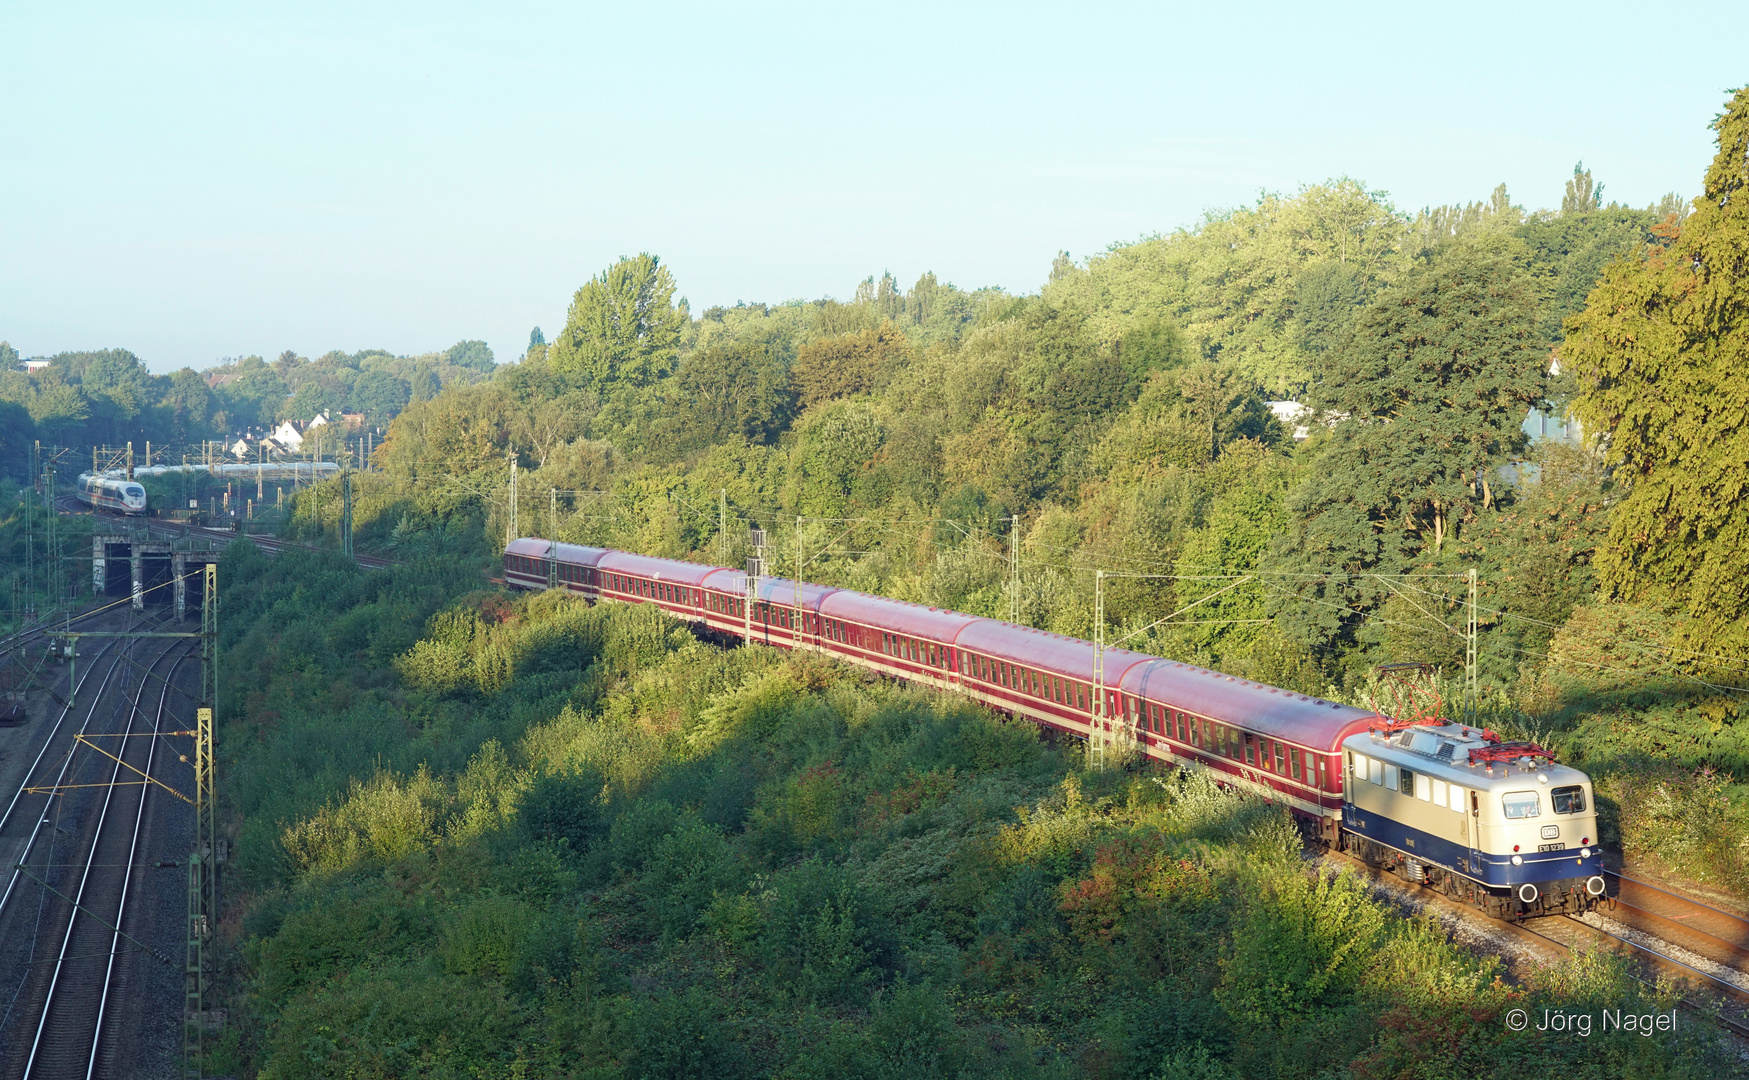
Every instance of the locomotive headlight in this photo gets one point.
(1518, 860)
(1584, 853)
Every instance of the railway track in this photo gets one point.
(270, 545)
(69, 1036)
(1664, 933)
(80, 843)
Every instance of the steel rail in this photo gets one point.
(133, 852)
(79, 898)
(60, 778)
(1736, 1027)
(1718, 935)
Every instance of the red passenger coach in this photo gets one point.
(1273, 741)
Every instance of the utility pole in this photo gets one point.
(796, 630)
(346, 513)
(1096, 744)
(553, 514)
(510, 529)
(36, 456)
(723, 526)
(755, 571)
(203, 871)
(1014, 570)
(1471, 702)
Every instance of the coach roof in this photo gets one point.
(896, 616)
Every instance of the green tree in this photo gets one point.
(623, 327)
(380, 396)
(1430, 391)
(1662, 349)
(734, 390)
(471, 354)
(1427, 398)
(1583, 194)
(847, 365)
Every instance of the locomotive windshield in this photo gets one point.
(1521, 804)
(1568, 800)
(134, 490)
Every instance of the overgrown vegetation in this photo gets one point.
(539, 838)
(491, 835)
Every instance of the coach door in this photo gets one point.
(1472, 826)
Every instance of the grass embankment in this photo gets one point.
(525, 837)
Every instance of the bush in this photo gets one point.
(1303, 942)
(564, 808)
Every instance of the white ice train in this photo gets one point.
(115, 493)
(112, 490)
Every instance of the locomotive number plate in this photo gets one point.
(1551, 847)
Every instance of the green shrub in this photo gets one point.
(486, 938)
(1302, 943)
(564, 808)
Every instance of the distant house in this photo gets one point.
(240, 448)
(1293, 416)
(214, 379)
(288, 436)
(352, 419)
(34, 365)
(317, 421)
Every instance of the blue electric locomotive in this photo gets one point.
(1500, 825)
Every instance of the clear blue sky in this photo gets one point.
(193, 181)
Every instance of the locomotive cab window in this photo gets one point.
(1568, 800)
(1520, 805)
(1406, 782)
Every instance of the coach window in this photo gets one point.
(1280, 761)
(1250, 749)
(1293, 758)
(1521, 804)
(1406, 782)
(1375, 771)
